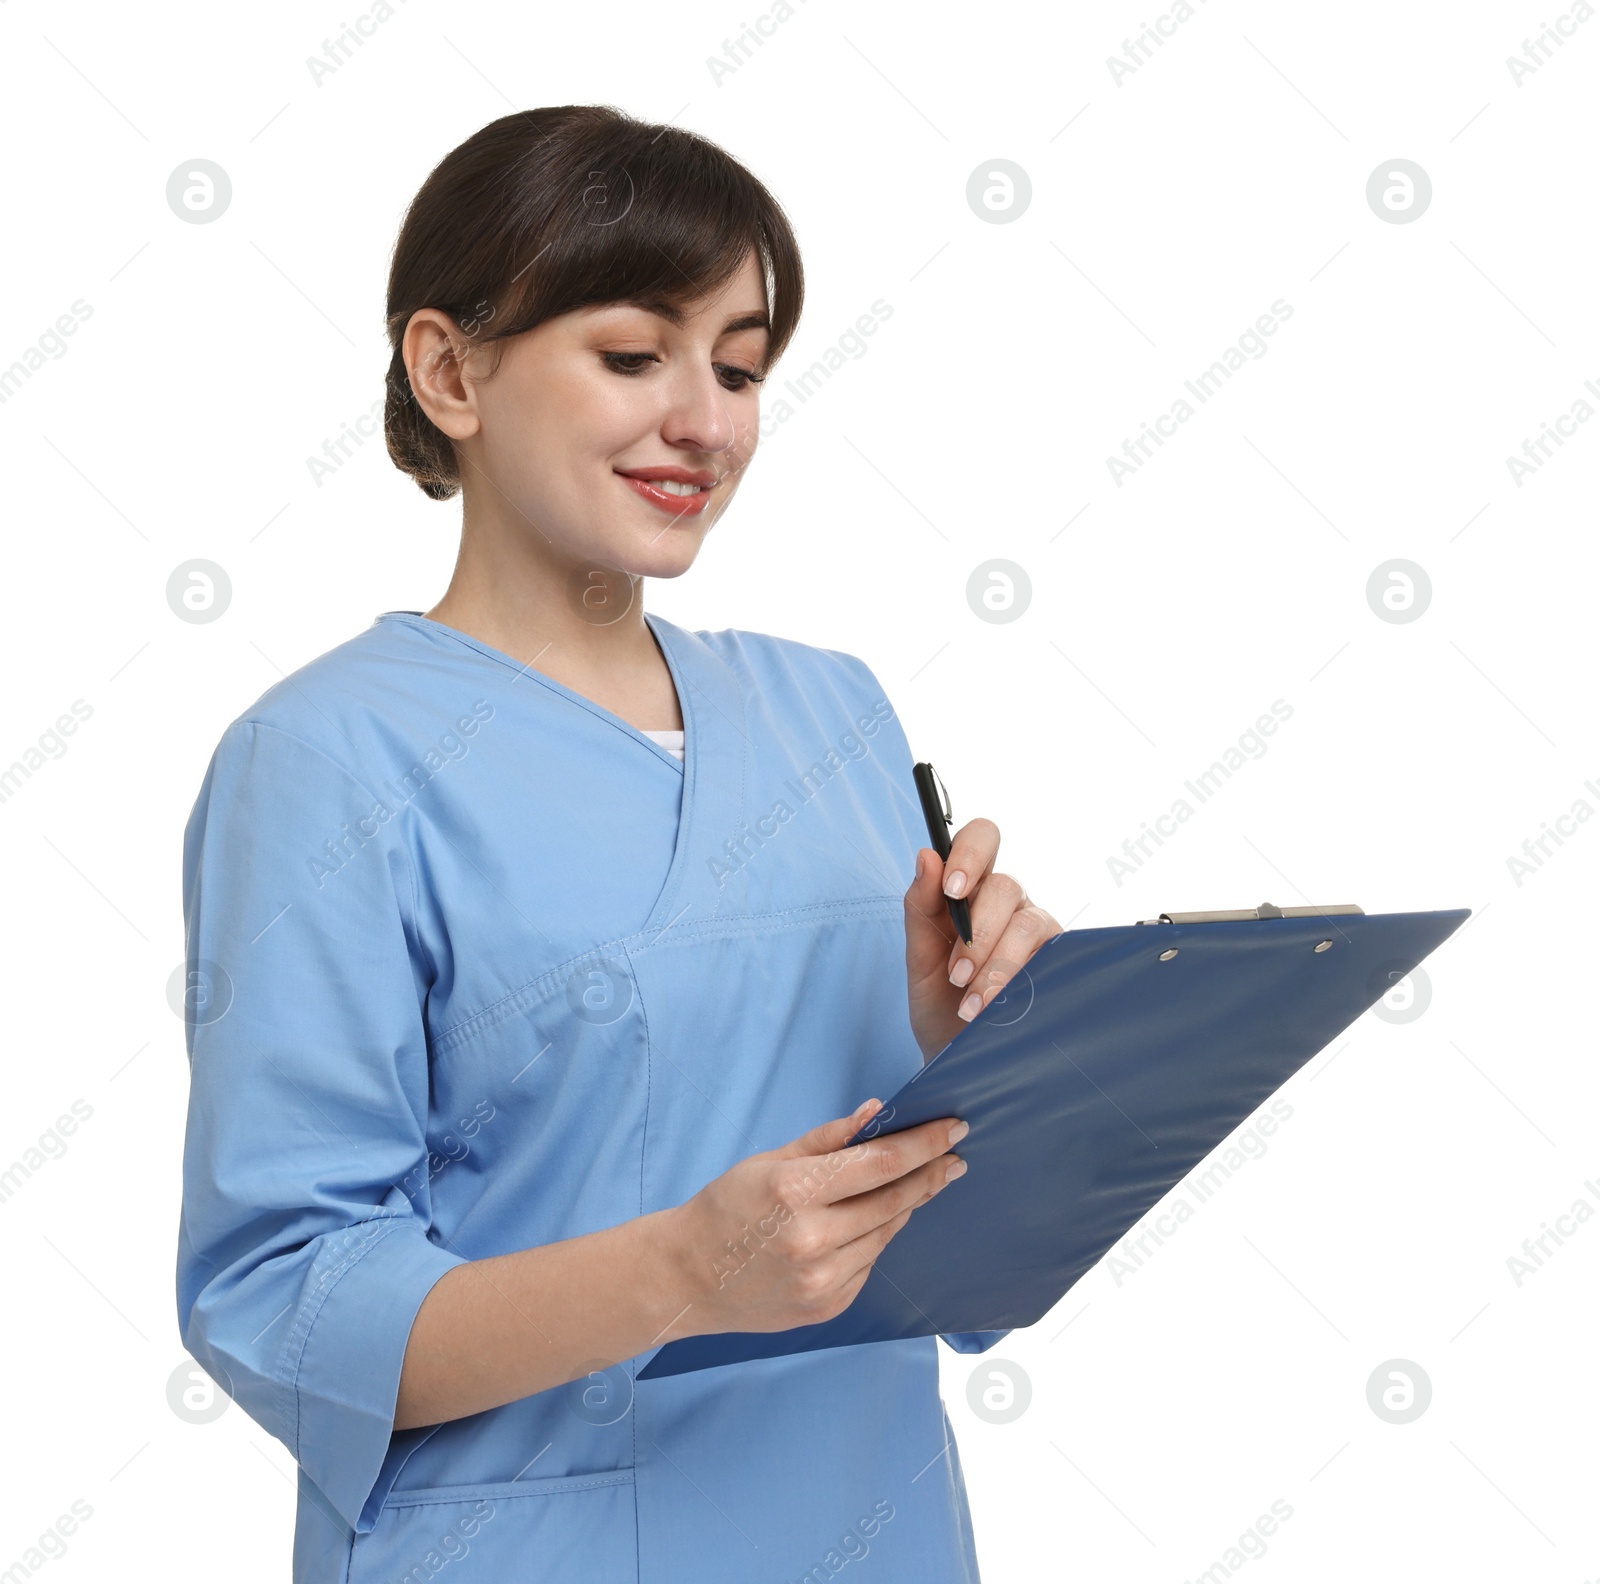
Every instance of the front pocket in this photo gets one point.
(579, 1526)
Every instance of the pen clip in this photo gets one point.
(944, 797)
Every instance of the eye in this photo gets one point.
(627, 362)
(732, 377)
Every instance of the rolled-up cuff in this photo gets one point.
(355, 1323)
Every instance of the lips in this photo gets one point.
(673, 474)
(687, 491)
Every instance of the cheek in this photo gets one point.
(747, 429)
(551, 435)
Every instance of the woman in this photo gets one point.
(551, 948)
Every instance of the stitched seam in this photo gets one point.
(730, 924)
(416, 1499)
(522, 997)
(537, 989)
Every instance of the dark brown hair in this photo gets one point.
(550, 210)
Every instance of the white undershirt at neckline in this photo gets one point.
(672, 741)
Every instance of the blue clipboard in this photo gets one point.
(1112, 1064)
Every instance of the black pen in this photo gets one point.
(936, 811)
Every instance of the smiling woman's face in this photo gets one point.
(616, 435)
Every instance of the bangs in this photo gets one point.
(653, 215)
(547, 211)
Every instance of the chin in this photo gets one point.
(657, 550)
(669, 557)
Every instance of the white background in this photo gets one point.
(1169, 1409)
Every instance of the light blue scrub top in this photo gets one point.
(476, 966)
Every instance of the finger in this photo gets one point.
(875, 1162)
(929, 931)
(1026, 931)
(993, 905)
(856, 1258)
(827, 1137)
(854, 1217)
(972, 854)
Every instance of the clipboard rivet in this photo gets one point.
(1169, 954)
(1322, 946)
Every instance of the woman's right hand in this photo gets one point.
(787, 1237)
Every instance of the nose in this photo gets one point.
(698, 418)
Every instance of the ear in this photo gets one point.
(435, 353)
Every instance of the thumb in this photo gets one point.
(830, 1136)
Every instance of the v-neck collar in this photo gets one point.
(560, 688)
(714, 766)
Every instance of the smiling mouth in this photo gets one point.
(676, 491)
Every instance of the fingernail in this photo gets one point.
(955, 1170)
(961, 972)
(958, 1132)
(971, 1007)
(955, 882)
(922, 863)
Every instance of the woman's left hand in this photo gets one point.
(950, 982)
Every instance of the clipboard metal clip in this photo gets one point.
(1265, 911)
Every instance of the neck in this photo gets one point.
(579, 624)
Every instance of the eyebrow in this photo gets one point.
(675, 315)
